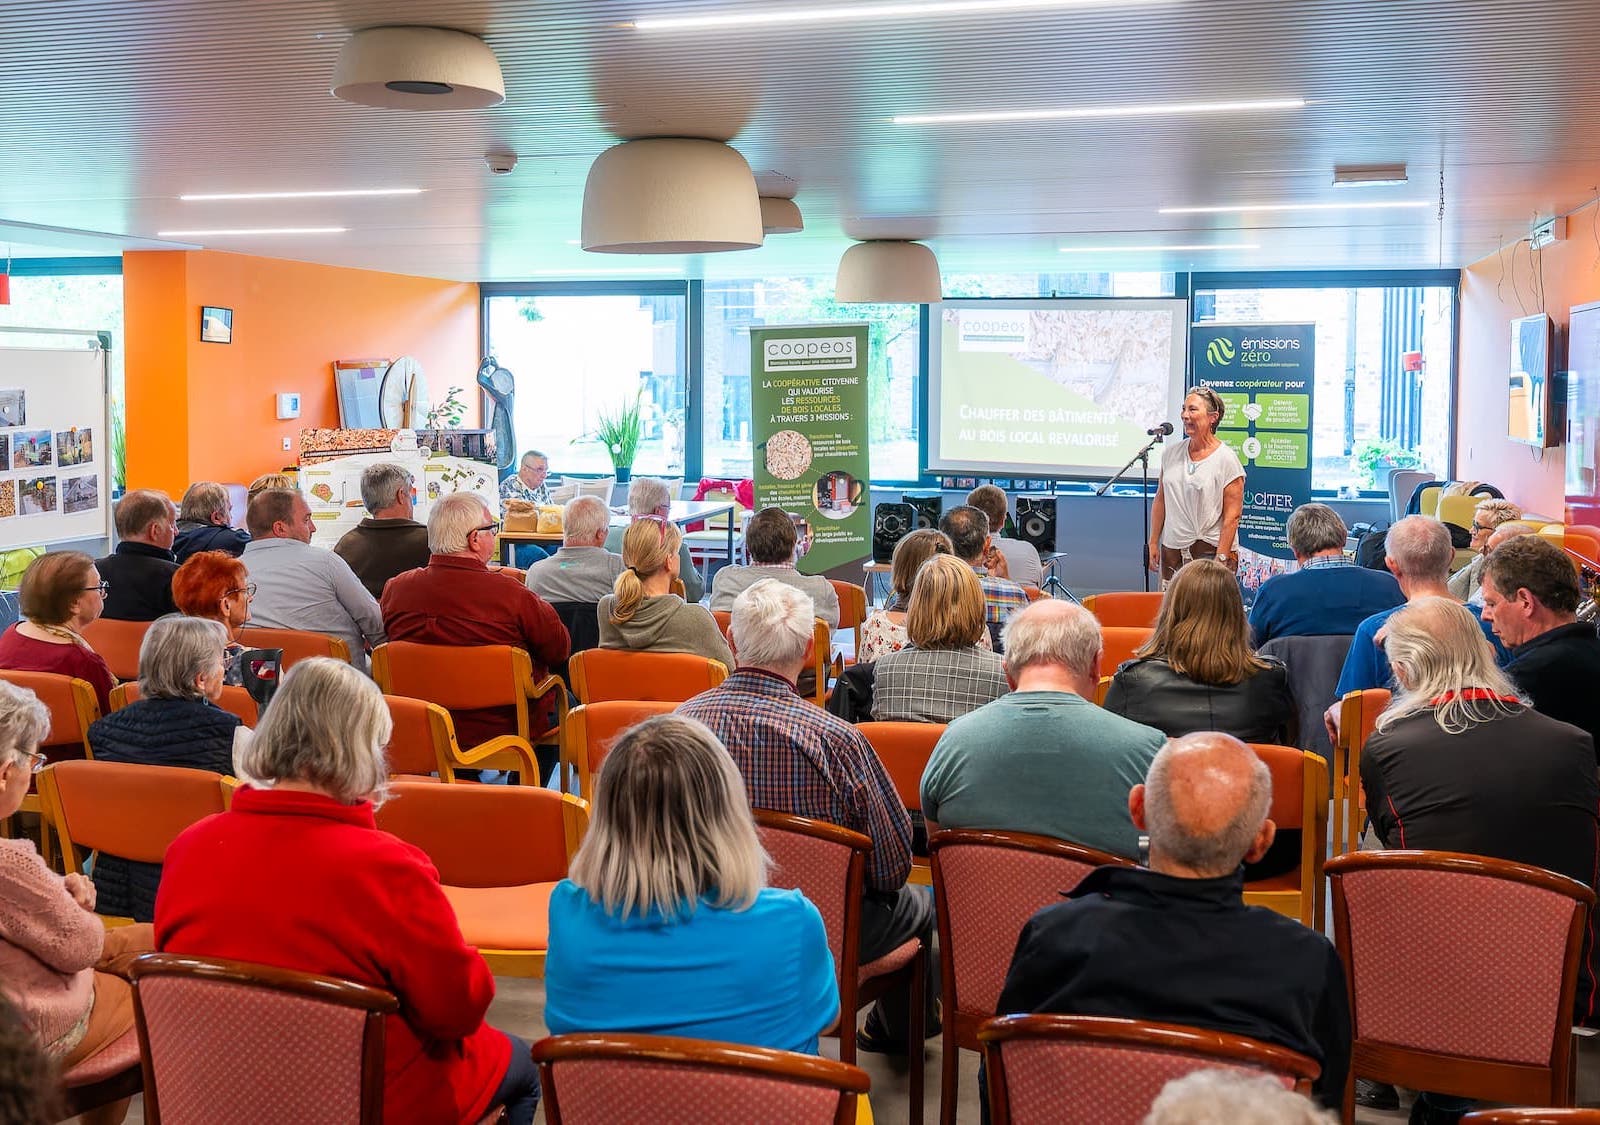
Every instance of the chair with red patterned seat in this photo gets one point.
(603, 1079)
(986, 885)
(1091, 1069)
(827, 864)
(1436, 1003)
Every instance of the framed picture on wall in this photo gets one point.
(216, 325)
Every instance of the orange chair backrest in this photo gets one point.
(71, 701)
(234, 700)
(1288, 767)
(415, 746)
(852, 603)
(1583, 539)
(606, 673)
(592, 728)
(126, 810)
(118, 643)
(725, 623)
(1126, 608)
(1034, 593)
(487, 835)
(297, 644)
(457, 678)
(1121, 642)
(904, 750)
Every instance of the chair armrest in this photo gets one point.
(536, 694)
(503, 744)
(122, 964)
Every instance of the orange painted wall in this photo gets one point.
(201, 411)
(1493, 294)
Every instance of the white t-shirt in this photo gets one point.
(1192, 493)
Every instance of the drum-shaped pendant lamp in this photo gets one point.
(780, 216)
(426, 68)
(670, 195)
(888, 271)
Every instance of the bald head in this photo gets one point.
(1506, 532)
(1204, 804)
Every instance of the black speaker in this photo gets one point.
(890, 524)
(1036, 522)
(927, 508)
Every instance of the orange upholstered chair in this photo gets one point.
(297, 644)
(1358, 718)
(1299, 802)
(1034, 593)
(1479, 1011)
(1125, 608)
(118, 643)
(904, 750)
(474, 676)
(424, 741)
(125, 810)
(590, 730)
(1121, 642)
(500, 850)
(852, 609)
(668, 677)
(235, 700)
(1036, 1065)
(231, 1041)
(605, 1079)
(986, 885)
(819, 653)
(827, 864)
(73, 709)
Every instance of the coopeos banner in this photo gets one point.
(1265, 375)
(808, 398)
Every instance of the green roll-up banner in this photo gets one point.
(808, 399)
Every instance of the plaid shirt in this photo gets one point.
(797, 758)
(1001, 598)
(515, 488)
(1323, 562)
(935, 687)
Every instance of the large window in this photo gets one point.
(1384, 367)
(577, 355)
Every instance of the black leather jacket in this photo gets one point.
(1259, 709)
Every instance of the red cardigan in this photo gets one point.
(302, 882)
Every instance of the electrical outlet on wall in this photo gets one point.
(286, 445)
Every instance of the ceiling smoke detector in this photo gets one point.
(501, 163)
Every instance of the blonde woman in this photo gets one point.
(667, 925)
(944, 673)
(642, 613)
(1199, 494)
(885, 631)
(1198, 672)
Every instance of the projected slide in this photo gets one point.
(1052, 388)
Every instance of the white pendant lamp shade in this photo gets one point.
(780, 216)
(670, 195)
(888, 271)
(418, 68)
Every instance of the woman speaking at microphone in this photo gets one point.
(1199, 495)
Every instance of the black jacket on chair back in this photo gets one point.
(1259, 709)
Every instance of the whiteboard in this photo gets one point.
(56, 446)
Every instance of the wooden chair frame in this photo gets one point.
(442, 737)
(376, 1002)
(576, 751)
(1305, 904)
(1488, 1079)
(1202, 1045)
(852, 609)
(851, 1082)
(1358, 711)
(1548, 1116)
(961, 1028)
(86, 709)
(853, 993)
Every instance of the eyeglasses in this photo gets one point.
(36, 761)
(491, 528)
(1476, 526)
(248, 590)
(660, 521)
(104, 588)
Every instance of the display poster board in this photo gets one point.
(332, 487)
(54, 442)
(1266, 377)
(808, 400)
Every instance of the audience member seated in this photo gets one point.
(1490, 515)
(1234, 1097)
(769, 541)
(174, 722)
(269, 480)
(1174, 942)
(388, 541)
(215, 585)
(527, 483)
(1461, 763)
(968, 530)
(457, 600)
(61, 593)
(582, 570)
(1022, 563)
(942, 674)
(204, 519)
(643, 614)
(666, 925)
(297, 874)
(797, 758)
(650, 497)
(51, 942)
(885, 630)
(1505, 533)
(1043, 759)
(1329, 595)
(29, 1090)
(139, 572)
(299, 586)
(1530, 597)
(1198, 672)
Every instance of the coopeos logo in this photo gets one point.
(1220, 352)
(812, 352)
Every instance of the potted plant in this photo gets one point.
(619, 432)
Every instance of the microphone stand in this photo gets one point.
(1143, 457)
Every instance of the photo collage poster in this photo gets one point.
(43, 470)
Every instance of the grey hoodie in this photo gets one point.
(665, 623)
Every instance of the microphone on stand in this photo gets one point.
(1162, 429)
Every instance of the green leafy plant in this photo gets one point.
(1374, 456)
(447, 412)
(619, 432)
(119, 446)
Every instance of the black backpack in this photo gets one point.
(1371, 542)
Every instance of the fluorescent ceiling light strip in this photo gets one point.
(1157, 249)
(848, 12)
(249, 231)
(1239, 208)
(615, 270)
(1168, 109)
(340, 194)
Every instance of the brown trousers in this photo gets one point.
(1172, 558)
(113, 997)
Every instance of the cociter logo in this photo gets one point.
(1220, 352)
